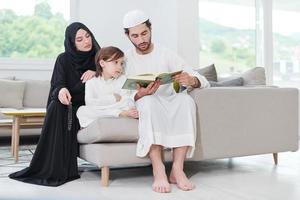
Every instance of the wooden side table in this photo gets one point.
(28, 118)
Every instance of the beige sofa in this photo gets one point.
(231, 122)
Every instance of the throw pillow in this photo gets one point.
(36, 93)
(209, 72)
(238, 81)
(254, 76)
(11, 93)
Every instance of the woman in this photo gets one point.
(55, 159)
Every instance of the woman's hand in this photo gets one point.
(149, 90)
(87, 75)
(64, 96)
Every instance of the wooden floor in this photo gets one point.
(249, 178)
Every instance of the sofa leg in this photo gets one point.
(275, 158)
(105, 176)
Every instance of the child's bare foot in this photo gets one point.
(160, 183)
(178, 177)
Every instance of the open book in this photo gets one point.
(145, 79)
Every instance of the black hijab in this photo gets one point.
(81, 60)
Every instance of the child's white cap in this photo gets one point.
(134, 18)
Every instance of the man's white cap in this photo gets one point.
(134, 18)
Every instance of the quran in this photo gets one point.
(145, 79)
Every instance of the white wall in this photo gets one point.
(38, 69)
(174, 23)
(188, 31)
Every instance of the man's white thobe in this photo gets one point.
(166, 118)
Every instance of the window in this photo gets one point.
(286, 42)
(227, 34)
(32, 28)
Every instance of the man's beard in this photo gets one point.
(144, 43)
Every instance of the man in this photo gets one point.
(166, 119)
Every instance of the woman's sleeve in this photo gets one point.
(58, 79)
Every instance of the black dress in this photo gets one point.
(55, 159)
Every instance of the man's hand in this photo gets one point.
(87, 75)
(149, 90)
(64, 96)
(185, 79)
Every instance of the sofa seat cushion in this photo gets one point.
(6, 132)
(116, 155)
(109, 130)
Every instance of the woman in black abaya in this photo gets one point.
(55, 159)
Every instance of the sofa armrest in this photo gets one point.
(240, 121)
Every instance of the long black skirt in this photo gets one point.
(55, 159)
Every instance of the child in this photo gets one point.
(103, 94)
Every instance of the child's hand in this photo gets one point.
(118, 97)
(132, 112)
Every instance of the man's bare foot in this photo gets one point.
(178, 177)
(160, 183)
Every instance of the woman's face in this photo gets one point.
(83, 40)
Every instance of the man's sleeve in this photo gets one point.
(178, 63)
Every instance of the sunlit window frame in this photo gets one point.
(264, 37)
(36, 64)
(265, 42)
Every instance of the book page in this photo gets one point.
(167, 76)
(148, 77)
(145, 79)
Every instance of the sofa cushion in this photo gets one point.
(209, 72)
(238, 81)
(254, 76)
(251, 77)
(109, 130)
(2, 116)
(11, 93)
(36, 93)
